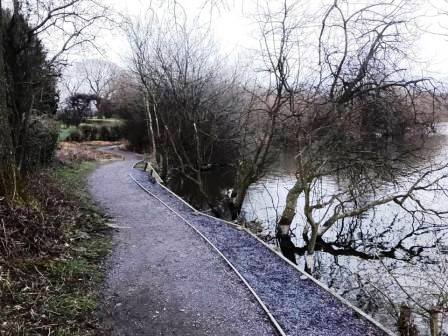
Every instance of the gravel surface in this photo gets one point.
(300, 305)
(163, 279)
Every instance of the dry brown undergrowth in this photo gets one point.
(85, 151)
(52, 243)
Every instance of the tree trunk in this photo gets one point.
(20, 153)
(8, 176)
(153, 154)
(311, 249)
(240, 194)
(406, 326)
(434, 322)
(7, 160)
(290, 208)
(283, 228)
(164, 165)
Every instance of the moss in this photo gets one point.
(93, 249)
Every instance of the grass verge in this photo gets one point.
(51, 252)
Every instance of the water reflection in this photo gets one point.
(377, 261)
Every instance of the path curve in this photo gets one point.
(163, 279)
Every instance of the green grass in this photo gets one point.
(105, 122)
(72, 180)
(81, 274)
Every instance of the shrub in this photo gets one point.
(75, 136)
(105, 133)
(41, 141)
(116, 133)
(93, 133)
(134, 130)
(86, 131)
(96, 131)
(90, 132)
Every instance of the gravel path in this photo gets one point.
(300, 306)
(163, 279)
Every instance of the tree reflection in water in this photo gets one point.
(387, 257)
(380, 260)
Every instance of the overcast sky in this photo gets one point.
(235, 30)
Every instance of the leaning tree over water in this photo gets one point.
(357, 93)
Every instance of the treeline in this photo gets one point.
(193, 111)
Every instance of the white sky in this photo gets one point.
(233, 26)
(234, 29)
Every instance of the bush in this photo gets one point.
(75, 136)
(41, 141)
(95, 131)
(135, 132)
(93, 134)
(88, 132)
(116, 133)
(105, 133)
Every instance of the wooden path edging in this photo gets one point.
(269, 247)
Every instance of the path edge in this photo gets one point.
(270, 248)
(271, 317)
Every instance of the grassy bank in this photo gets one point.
(52, 244)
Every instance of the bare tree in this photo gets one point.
(190, 100)
(65, 25)
(100, 77)
(144, 40)
(360, 89)
(266, 100)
